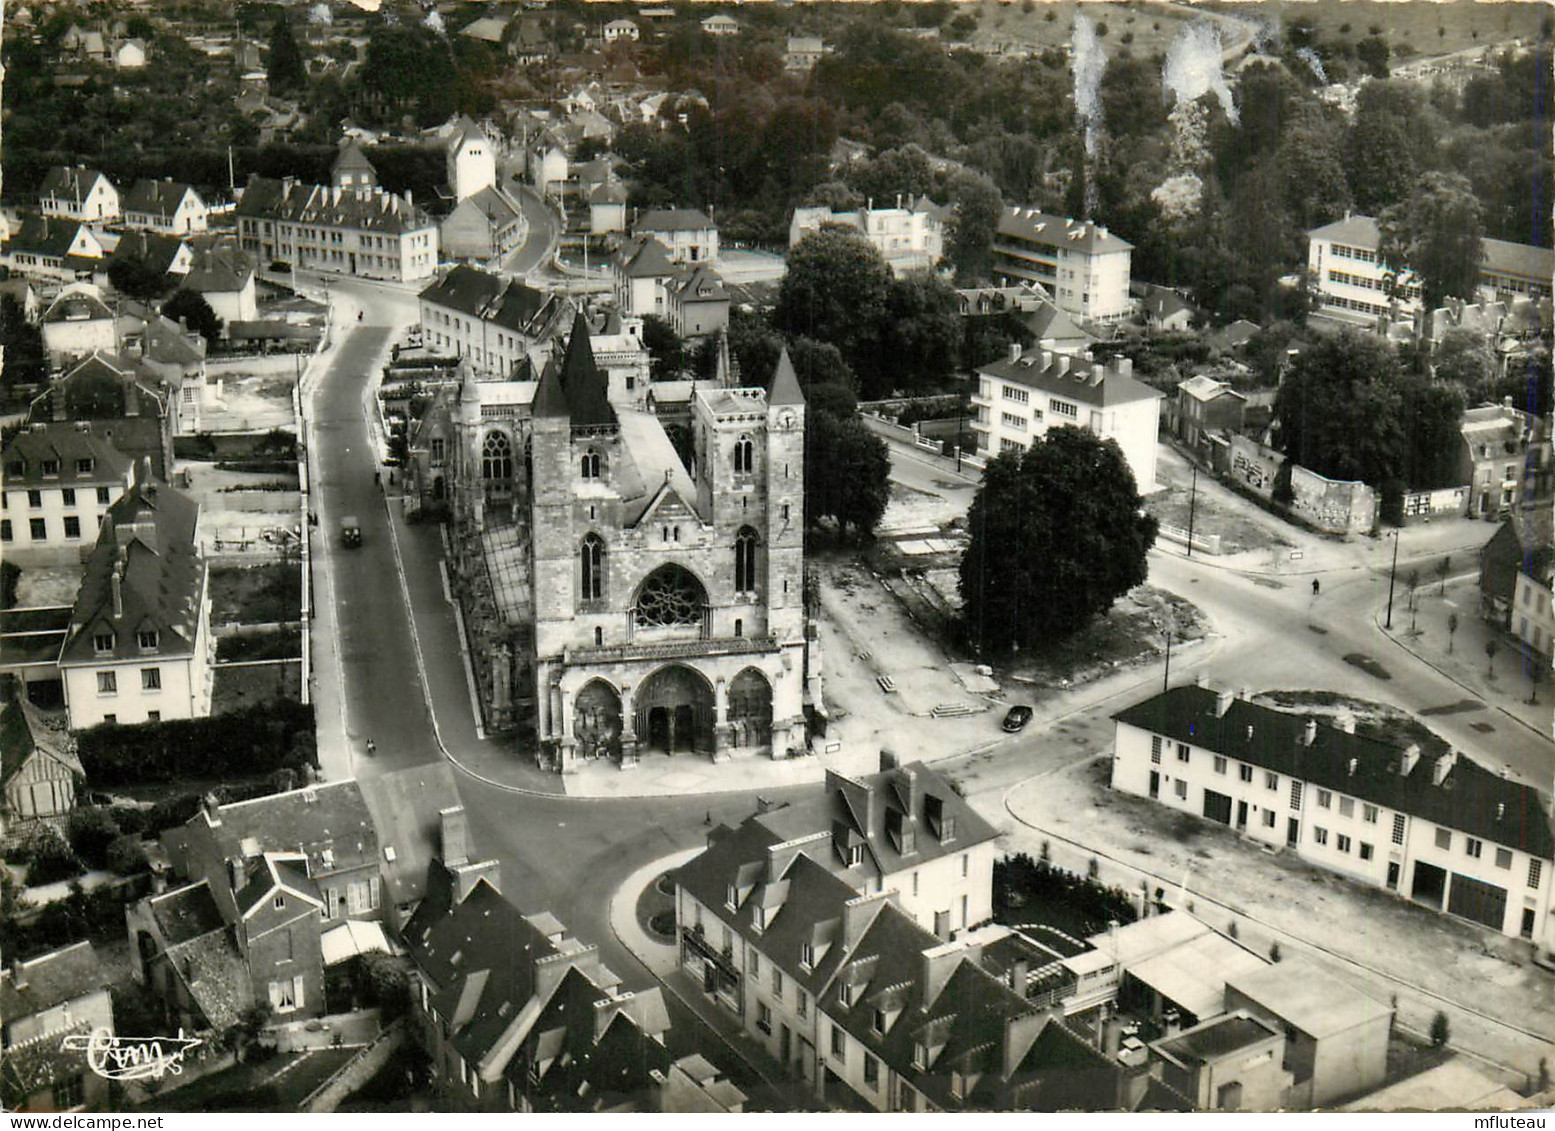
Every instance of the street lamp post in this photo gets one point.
(1392, 572)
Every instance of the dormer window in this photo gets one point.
(85, 466)
(878, 1023)
(280, 903)
(947, 829)
(920, 1055)
(102, 643)
(147, 639)
(807, 955)
(731, 898)
(759, 920)
(844, 994)
(855, 855)
(50, 467)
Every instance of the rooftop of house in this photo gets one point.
(608, 192)
(61, 455)
(275, 875)
(374, 211)
(699, 283)
(156, 250)
(69, 182)
(1309, 998)
(1518, 259)
(1499, 425)
(643, 257)
(1203, 387)
(213, 969)
(158, 198)
(1216, 1038)
(673, 220)
(1058, 231)
(48, 237)
(37, 984)
(1353, 231)
(508, 303)
(1162, 302)
(406, 808)
(328, 823)
(1469, 798)
(80, 302)
(25, 734)
(1097, 384)
(39, 1063)
(186, 913)
(488, 29)
(1047, 322)
(219, 271)
(1521, 545)
(101, 386)
(144, 580)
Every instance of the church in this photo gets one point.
(628, 557)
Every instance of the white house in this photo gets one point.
(1083, 265)
(642, 273)
(621, 31)
(46, 247)
(687, 233)
(225, 276)
(78, 322)
(607, 208)
(471, 160)
(57, 481)
(547, 162)
(130, 55)
(140, 647)
(1020, 396)
(1349, 277)
(803, 53)
(911, 238)
(491, 320)
(1442, 832)
(165, 206)
(720, 25)
(77, 192)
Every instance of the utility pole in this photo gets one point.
(1166, 676)
(1392, 572)
(1193, 500)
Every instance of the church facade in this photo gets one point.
(634, 555)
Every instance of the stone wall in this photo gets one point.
(1335, 505)
(357, 1071)
(1446, 502)
(1254, 466)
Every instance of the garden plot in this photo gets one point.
(248, 402)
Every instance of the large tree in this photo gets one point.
(1340, 410)
(130, 275)
(1463, 358)
(666, 352)
(836, 290)
(191, 308)
(1057, 535)
(287, 71)
(847, 473)
(921, 334)
(1433, 417)
(1438, 233)
(969, 236)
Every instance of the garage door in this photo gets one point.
(1217, 806)
(1477, 900)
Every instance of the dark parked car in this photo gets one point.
(1017, 718)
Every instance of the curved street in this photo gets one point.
(398, 675)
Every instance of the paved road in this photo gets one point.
(543, 228)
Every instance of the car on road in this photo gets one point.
(1017, 717)
(350, 531)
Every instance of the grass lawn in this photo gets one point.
(1141, 28)
(239, 687)
(1427, 29)
(283, 645)
(262, 594)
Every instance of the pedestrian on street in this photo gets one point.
(1315, 587)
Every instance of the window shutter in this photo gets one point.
(373, 895)
(275, 995)
(297, 990)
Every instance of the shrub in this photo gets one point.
(131, 819)
(1441, 1030)
(255, 740)
(126, 855)
(91, 831)
(50, 858)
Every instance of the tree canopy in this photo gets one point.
(191, 307)
(287, 71)
(1439, 233)
(1057, 535)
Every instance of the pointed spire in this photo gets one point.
(785, 383)
(582, 382)
(550, 401)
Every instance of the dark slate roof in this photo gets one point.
(155, 249)
(584, 386)
(1467, 800)
(186, 913)
(1047, 321)
(643, 257)
(219, 270)
(699, 283)
(65, 445)
(508, 303)
(550, 401)
(1520, 259)
(16, 742)
(494, 204)
(1216, 1038)
(1500, 559)
(51, 979)
(1163, 302)
(33, 1066)
(159, 198)
(785, 383)
(95, 389)
(213, 969)
(1088, 382)
(269, 874)
(608, 192)
(69, 182)
(1059, 231)
(162, 577)
(351, 157)
(330, 819)
(406, 808)
(77, 304)
(375, 211)
(1354, 231)
(673, 220)
(47, 236)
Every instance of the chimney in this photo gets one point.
(1309, 732)
(1062, 361)
(1443, 766)
(235, 872)
(1407, 760)
(907, 778)
(1124, 366)
(1014, 352)
(1019, 975)
(1354, 762)
(131, 401)
(212, 809)
(1223, 698)
(1201, 680)
(466, 876)
(888, 760)
(19, 976)
(937, 964)
(1346, 723)
(116, 583)
(456, 836)
(1506, 402)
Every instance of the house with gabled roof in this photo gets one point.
(77, 323)
(1435, 828)
(166, 206)
(697, 302)
(118, 402)
(607, 208)
(486, 224)
(688, 234)
(160, 254)
(1084, 266)
(40, 773)
(50, 248)
(1205, 405)
(225, 277)
(78, 192)
(57, 480)
(643, 269)
(492, 320)
(140, 647)
(44, 1002)
(547, 158)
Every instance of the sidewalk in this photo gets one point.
(1500, 1005)
(1466, 664)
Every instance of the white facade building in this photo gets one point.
(1351, 280)
(56, 484)
(77, 192)
(910, 238)
(1444, 832)
(1083, 265)
(1021, 396)
(471, 160)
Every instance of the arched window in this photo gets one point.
(744, 456)
(745, 560)
(670, 596)
(592, 560)
(590, 464)
(496, 457)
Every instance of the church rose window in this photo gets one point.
(670, 596)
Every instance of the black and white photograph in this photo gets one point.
(786, 556)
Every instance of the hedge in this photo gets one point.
(255, 740)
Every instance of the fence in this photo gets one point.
(1208, 543)
(1423, 506)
